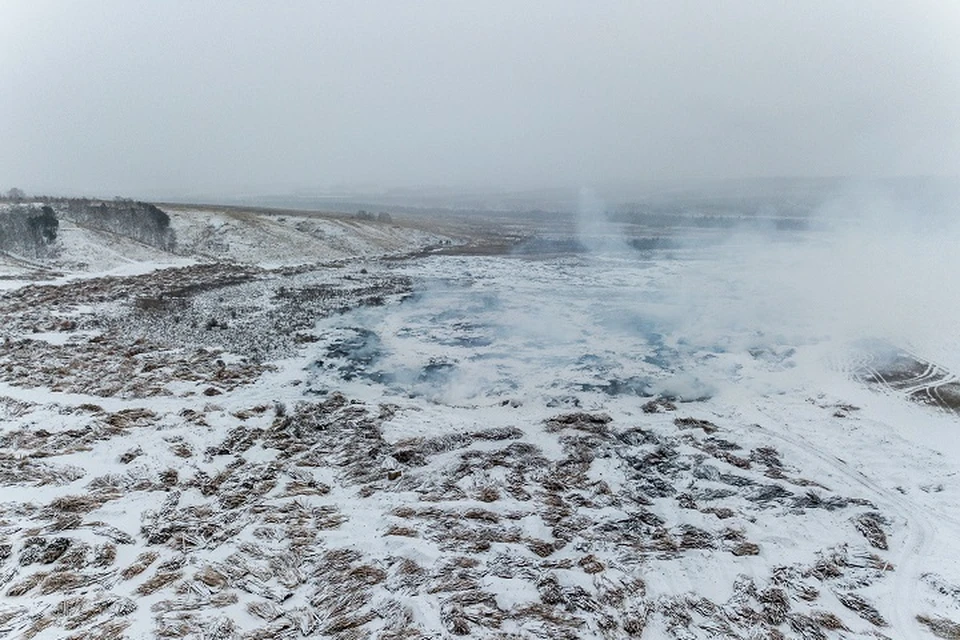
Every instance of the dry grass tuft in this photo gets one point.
(862, 608)
(482, 515)
(159, 580)
(211, 577)
(310, 488)
(659, 405)
(404, 532)
(871, 526)
(265, 610)
(408, 567)
(941, 627)
(39, 624)
(181, 450)
(595, 423)
(775, 605)
(139, 565)
(63, 581)
(341, 559)
(806, 627)
(541, 547)
(745, 549)
(85, 614)
(488, 494)
(368, 575)
(26, 585)
(828, 621)
(109, 630)
(590, 564)
(16, 470)
(78, 504)
(404, 512)
(342, 623)
(693, 423)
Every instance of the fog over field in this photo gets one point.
(498, 320)
(152, 100)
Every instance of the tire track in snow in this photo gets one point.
(923, 385)
(919, 529)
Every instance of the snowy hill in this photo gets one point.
(87, 236)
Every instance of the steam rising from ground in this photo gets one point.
(724, 308)
(496, 465)
(876, 267)
(595, 232)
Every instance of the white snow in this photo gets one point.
(504, 344)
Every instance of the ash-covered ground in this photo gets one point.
(501, 439)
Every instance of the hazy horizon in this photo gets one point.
(149, 99)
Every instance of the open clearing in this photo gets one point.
(305, 426)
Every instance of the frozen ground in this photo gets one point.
(266, 238)
(665, 444)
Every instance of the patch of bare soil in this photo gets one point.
(48, 307)
(102, 367)
(131, 337)
(266, 318)
(920, 380)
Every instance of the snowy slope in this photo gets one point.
(217, 234)
(290, 238)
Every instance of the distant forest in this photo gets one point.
(30, 226)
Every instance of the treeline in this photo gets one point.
(141, 221)
(28, 229)
(793, 212)
(29, 225)
(13, 195)
(370, 216)
(664, 220)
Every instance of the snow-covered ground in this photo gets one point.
(221, 234)
(288, 238)
(696, 443)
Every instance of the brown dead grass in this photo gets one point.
(590, 564)
(139, 565)
(871, 526)
(862, 608)
(109, 630)
(63, 581)
(80, 504)
(404, 532)
(26, 585)
(211, 577)
(160, 580)
(693, 423)
(941, 627)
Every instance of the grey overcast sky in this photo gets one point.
(141, 96)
